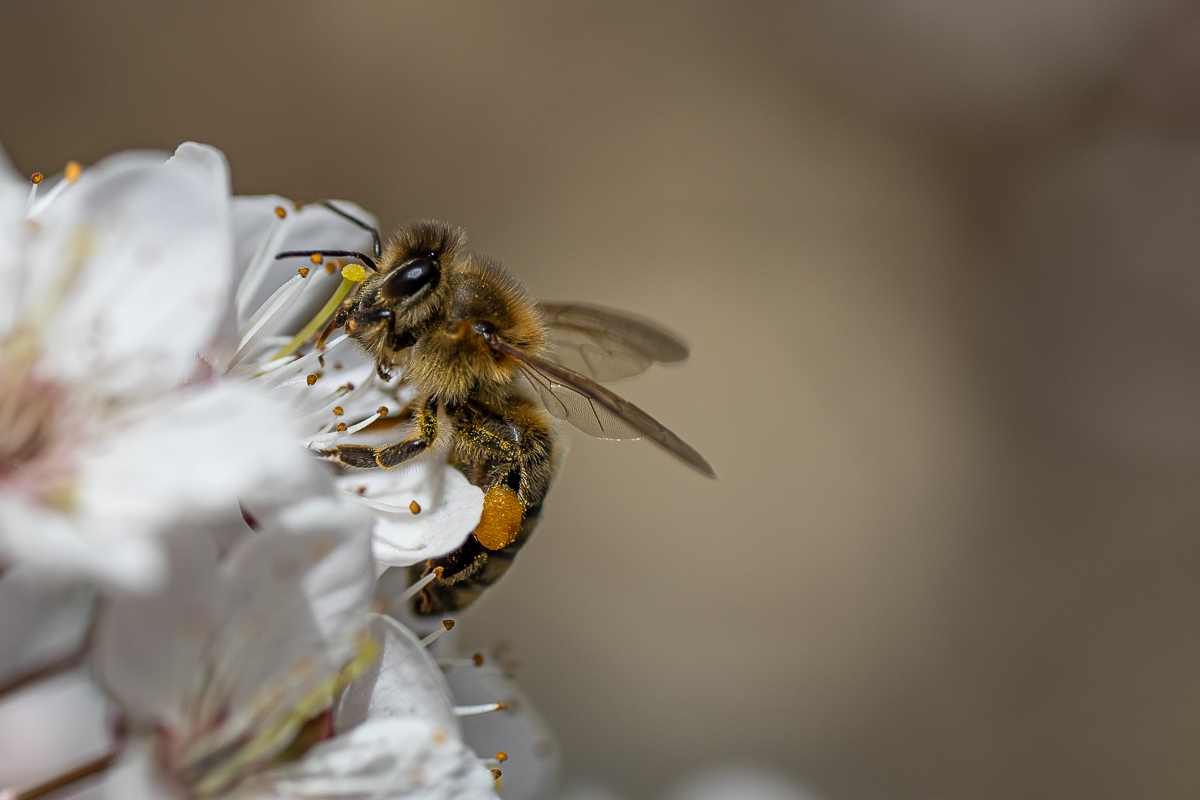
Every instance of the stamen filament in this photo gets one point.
(482, 708)
(62, 781)
(476, 660)
(447, 624)
(316, 322)
(375, 504)
(411, 591)
(261, 262)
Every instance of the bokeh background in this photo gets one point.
(939, 261)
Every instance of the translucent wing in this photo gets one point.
(595, 410)
(606, 344)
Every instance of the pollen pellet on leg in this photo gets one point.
(414, 507)
(501, 519)
(280, 212)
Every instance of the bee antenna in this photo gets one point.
(363, 257)
(374, 233)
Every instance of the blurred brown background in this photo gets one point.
(940, 265)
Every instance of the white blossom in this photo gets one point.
(112, 283)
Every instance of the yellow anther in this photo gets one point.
(72, 171)
(477, 659)
(382, 411)
(341, 426)
(338, 411)
(496, 774)
(35, 177)
(330, 267)
(448, 623)
(280, 212)
(414, 507)
(315, 258)
(312, 378)
(501, 706)
(502, 756)
(303, 272)
(354, 272)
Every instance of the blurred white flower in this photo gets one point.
(423, 510)
(228, 680)
(111, 285)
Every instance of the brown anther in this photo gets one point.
(303, 272)
(341, 427)
(477, 659)
(361, 490)
(382, 411)
(297, 205)
(72, 171)
(496, 774)
(338, 411)
(280, 212)
(502, 756)
(447, 623)
(312, 378)
(414, 507)
(321, 360)
(501, 706)
(337, 365)
(35, 178)
(315, 258)
(330, 267)
(349, 386)
(438, 571)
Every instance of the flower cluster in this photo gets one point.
(191, 603)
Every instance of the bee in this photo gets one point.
(498, 367)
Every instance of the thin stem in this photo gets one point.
(44, 671)
(62, 781)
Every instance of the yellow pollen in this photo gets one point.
(477, 659)
(72, 171)
(501, 519)
(448, 624)
(312, 378)
(502, 756)
(414, 507)
(303, 272)
(35, 178)
(315, 258)
(280, 212)
(354, 272)
(338, 411)
(341, 426)
(382, 411)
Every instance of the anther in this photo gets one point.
(496, 774)
(414, 507)
(72, 171)
(321, 360)
(502, 756)
(354, 272)
(362, 490)
(280, 212)
(447, 624)
(315, 258)
(341, 427)
(338, 411)
(482, 708)
(329, 265)
(303, 272)
(477, 659)
(411, 591)
(337, 365)
(35, 178)
(382, 411)
(312, 378)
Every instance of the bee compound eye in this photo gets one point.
(410, 277)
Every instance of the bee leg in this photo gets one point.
(365, 456)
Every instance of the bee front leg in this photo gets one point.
(364, 456)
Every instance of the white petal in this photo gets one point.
(136, 776)
(40, 620)
(195, 459)
(50, 727)
(133, 271)
(68, 545)
(450, 508)
(380, 760)
(404, 682)
(14, 193)
(533, 764)
(294, 599)
(148, 649)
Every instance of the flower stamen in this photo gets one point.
(482, 708)
(447, 624)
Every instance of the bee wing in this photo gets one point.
(595, 410)
(607, 344)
